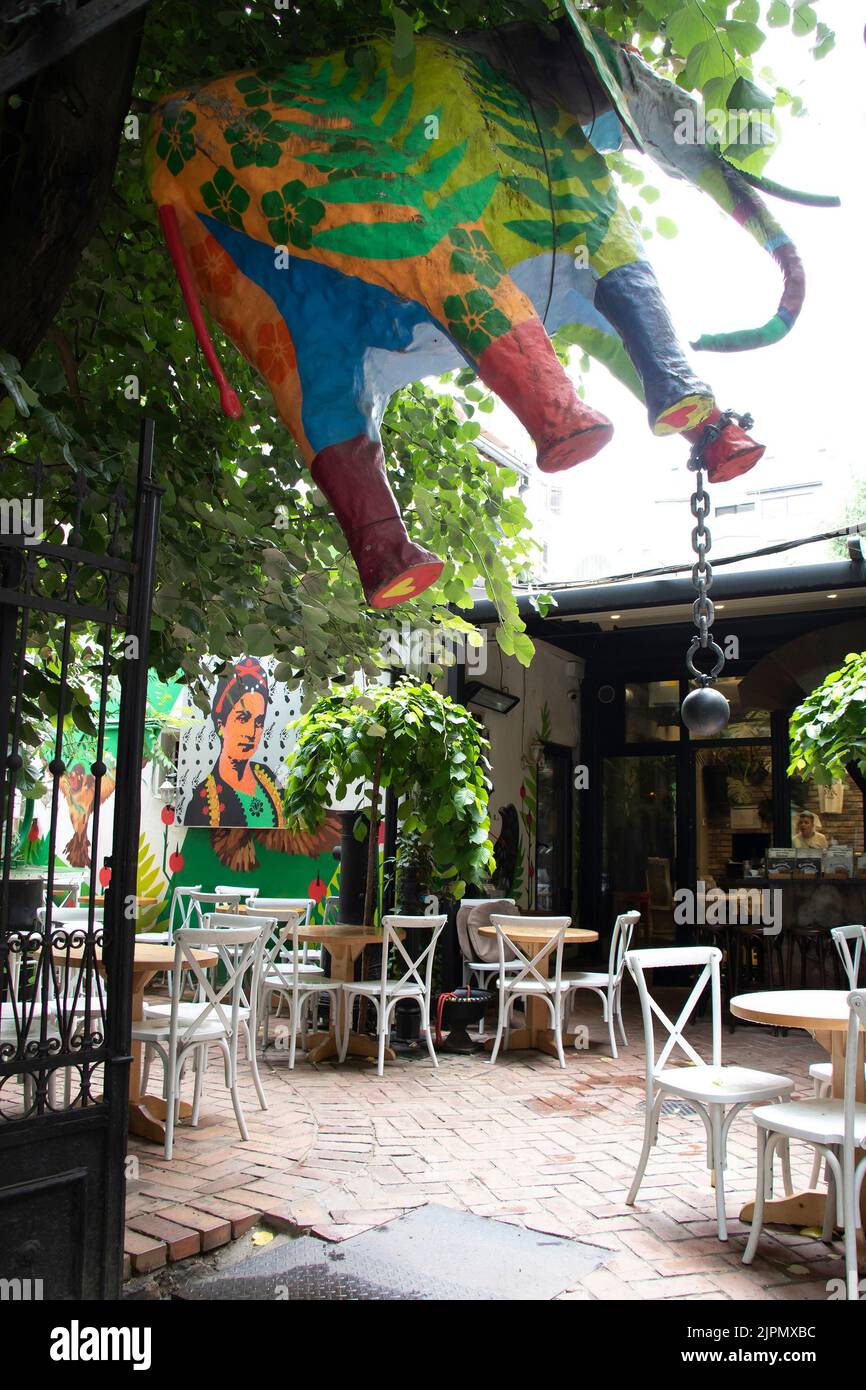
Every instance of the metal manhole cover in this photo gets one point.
(673, 1106)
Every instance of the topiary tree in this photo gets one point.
(427, 749)
(828, 730)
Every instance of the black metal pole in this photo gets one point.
(119, 924)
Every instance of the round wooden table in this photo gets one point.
(344, 943)
(824, 1013)
(537, 1032)
(146, 1112)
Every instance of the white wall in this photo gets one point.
(547, 681)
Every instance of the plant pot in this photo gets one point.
(461, 1008)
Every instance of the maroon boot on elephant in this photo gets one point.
(729, 451)
(391, 567)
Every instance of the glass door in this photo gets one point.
(639, 841)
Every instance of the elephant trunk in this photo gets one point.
(670, 120)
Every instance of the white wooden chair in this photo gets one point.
(226, 892)
(608, 984)
(310, 955)
(284, 974)
(844, 938)
(248, 1013)
(386, 993)
(179, 913)
(716, 1092)
(837, 1129)
(214, 1020)
(527, 981)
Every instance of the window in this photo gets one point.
(652, 712)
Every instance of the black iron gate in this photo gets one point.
(65, 979)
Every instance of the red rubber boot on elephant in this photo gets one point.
(731, 453)
(391, 567)
(523, 370)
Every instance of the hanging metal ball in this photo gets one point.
(705, 711)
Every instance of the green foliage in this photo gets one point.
(433, 757)
(828, 730)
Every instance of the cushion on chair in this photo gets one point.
(482, 949)
(159, 1029)
(723, 1085)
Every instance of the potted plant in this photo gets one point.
(430, 751)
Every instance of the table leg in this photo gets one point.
(322, 1046)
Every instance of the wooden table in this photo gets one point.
(824, 1013)
(146, 1112)
(344, 943)
(537, 1032)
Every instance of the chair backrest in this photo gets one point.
(472, 914)
(620, 941)
(181, 908)
(658, 882)
(229, 891)
(853, 1064)
(704, 958)
(392, 925)
(850, 942)
(69, 886)
(282, 949)
(302, 906)
(239, 945)
(66, 916)
(509, 950)
(200, 900)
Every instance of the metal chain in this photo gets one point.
(703, 612)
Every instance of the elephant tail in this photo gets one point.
(171, 231)
(730, 190)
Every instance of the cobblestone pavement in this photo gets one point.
(340, 1150)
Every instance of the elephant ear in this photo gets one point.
(599, 52)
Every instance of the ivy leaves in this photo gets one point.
(433, 757)
(828, 730)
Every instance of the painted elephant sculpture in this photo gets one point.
(354, 231)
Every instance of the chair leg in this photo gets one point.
(650, 1134)
(760, 1188)
(619, 1016)
(500, 1024)
(254, 1065)
(831, 1206)
(172, 1088)
(557, 1031)
(382, 1022)
(231, 1071)
(343, 1042)
(425, 1023)
(718, 1157)
(294, 1009)
(786, 1169)
(850, 1216)
(200, 1068)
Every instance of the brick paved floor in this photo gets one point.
(340, 1150)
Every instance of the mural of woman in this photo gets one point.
(238, 791)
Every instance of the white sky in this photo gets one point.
(805, 393)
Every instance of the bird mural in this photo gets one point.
(78, 787)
